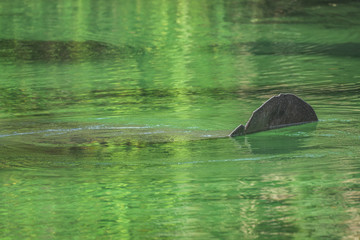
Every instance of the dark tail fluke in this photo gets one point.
(279, 111)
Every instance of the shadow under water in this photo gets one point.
(63, 51)
(278, 141)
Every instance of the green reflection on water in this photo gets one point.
(113, 116)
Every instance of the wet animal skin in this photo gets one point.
(279, 111)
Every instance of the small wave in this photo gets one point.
(224, 160)
(42, 131)
(66, 130)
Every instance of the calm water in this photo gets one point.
(112, 117)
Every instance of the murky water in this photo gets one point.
(113, 116)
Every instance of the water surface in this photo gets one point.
(113, 117)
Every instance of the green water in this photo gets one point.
(112, 117)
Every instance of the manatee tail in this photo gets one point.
(279, 111)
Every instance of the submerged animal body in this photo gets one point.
(279, 111)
